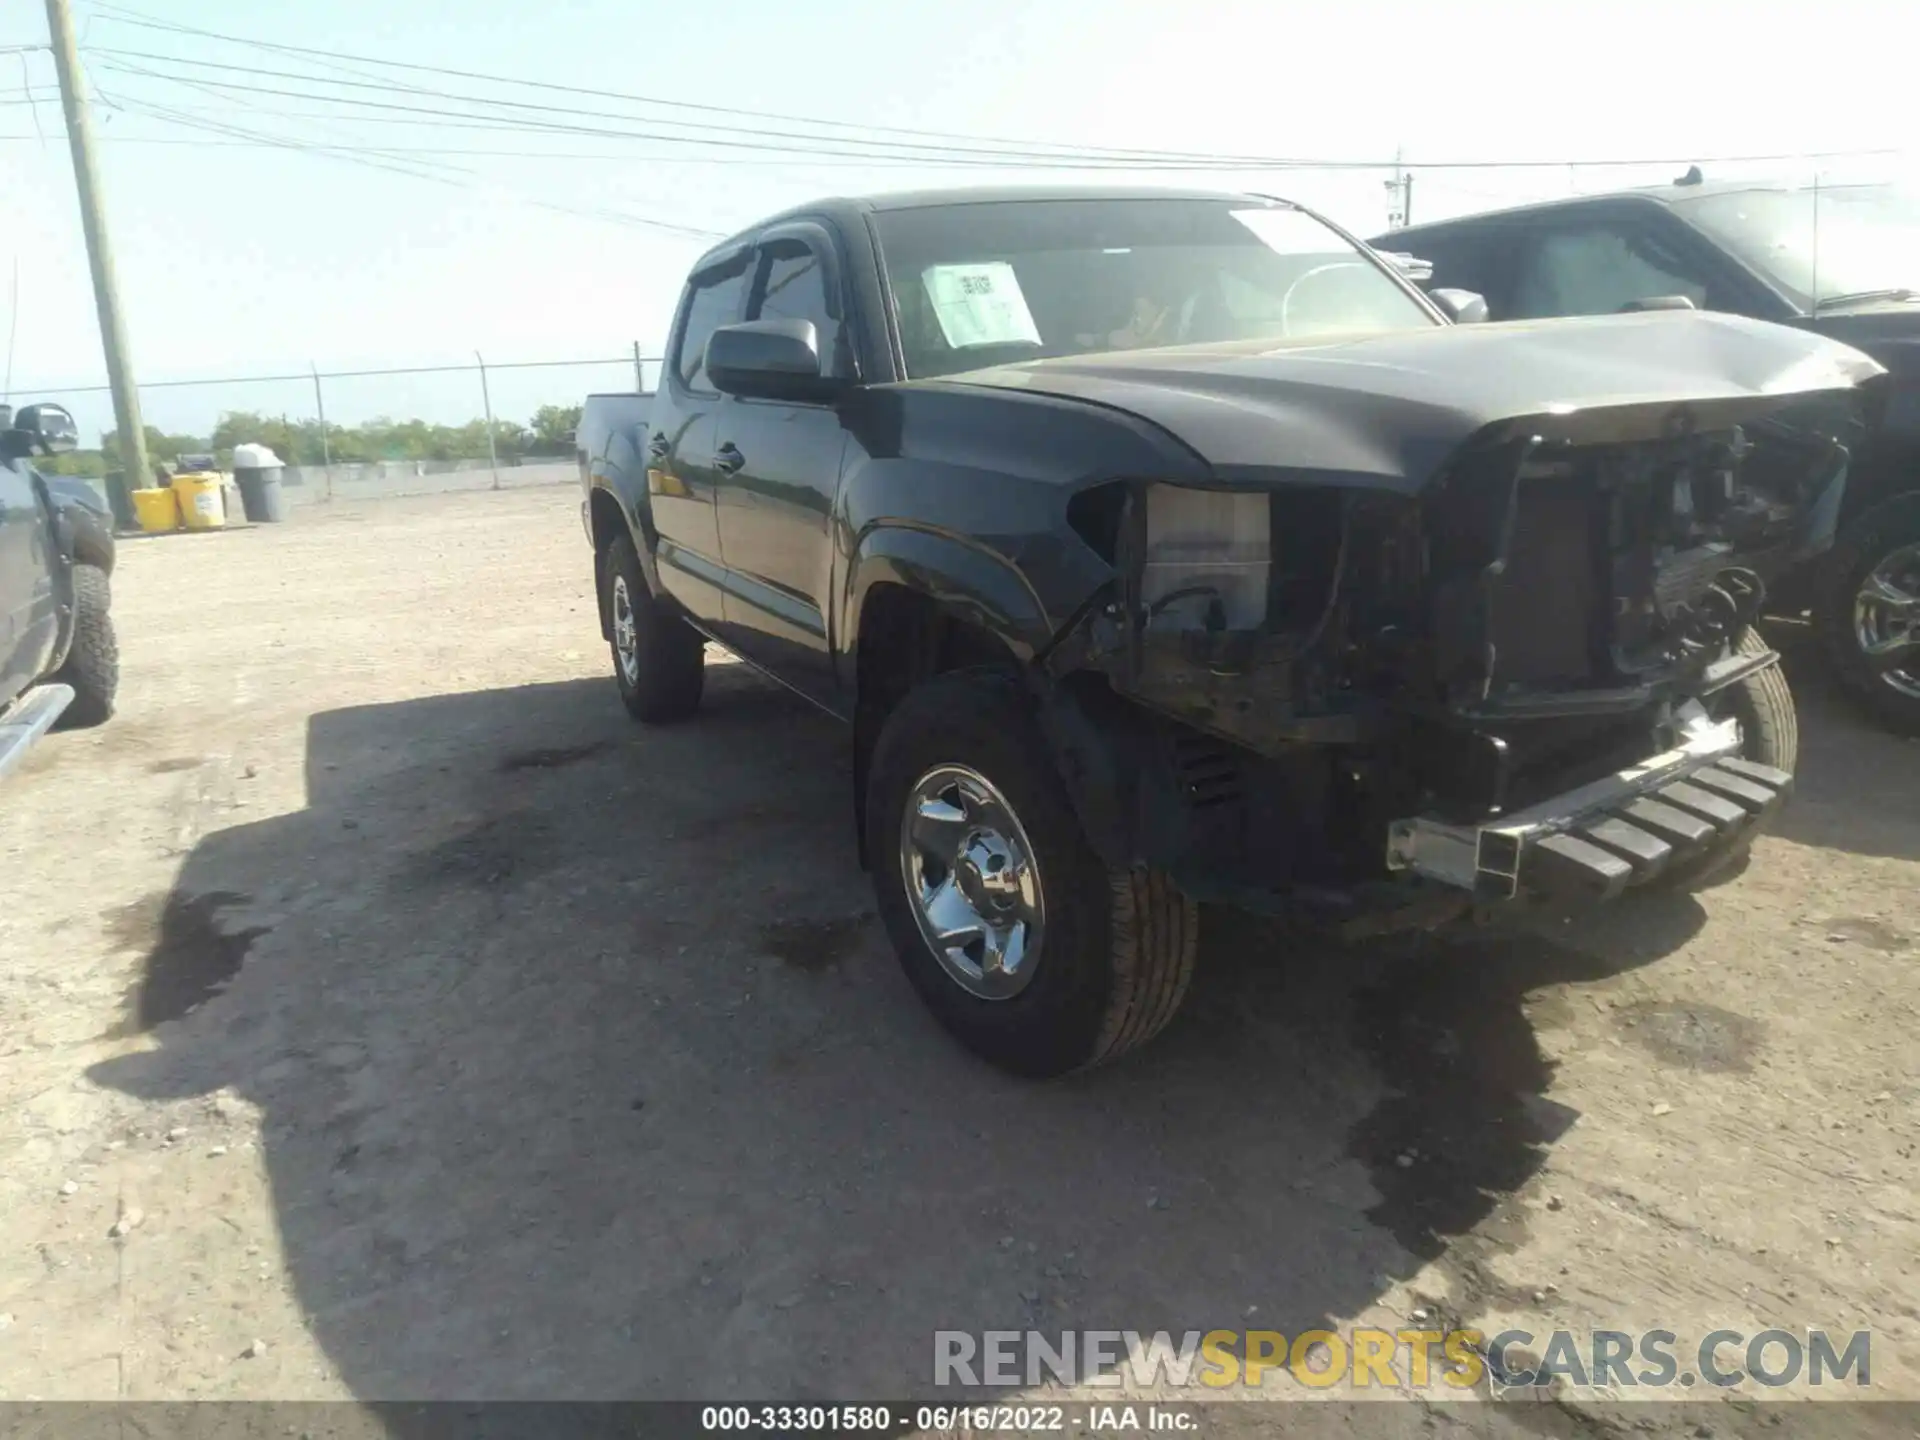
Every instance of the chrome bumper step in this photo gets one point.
(1596, 841)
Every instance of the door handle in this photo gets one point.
(658, 446)
(728, 459)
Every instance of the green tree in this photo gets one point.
(161, 447)
(553, 427)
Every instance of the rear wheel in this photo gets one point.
(1869, 617)
(1022, 943)
(659, 661)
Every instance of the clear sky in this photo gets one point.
(237, 258)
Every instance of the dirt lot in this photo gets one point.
(429, 1030)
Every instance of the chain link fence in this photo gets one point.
(356, 434)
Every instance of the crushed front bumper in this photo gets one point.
(1593, 842)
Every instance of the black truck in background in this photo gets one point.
(1837, 260)
(1162, 547)
(58, 657)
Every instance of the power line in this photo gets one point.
(619, 217)
(628, 156)
(932, 155)
(440, 174)
(386, 87)
(1028, 155)
(129, 17)
(808, 145)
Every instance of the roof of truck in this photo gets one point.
(847, 207)
(1669, 194)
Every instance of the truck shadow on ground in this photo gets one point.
(584, 1072)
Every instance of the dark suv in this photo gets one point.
(58, 658)
(1841, 260)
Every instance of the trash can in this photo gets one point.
(201, 505)
(157, 509)
(256, 470)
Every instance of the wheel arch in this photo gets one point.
(923, 604)
(610, 518)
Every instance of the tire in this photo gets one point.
(1873, 544)
(659, 660)
(1763, 704)
(92, 666)
(1114, 950)
(1769, 734)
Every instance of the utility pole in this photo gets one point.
(106, 296)
(1399, 196)
(486, 401)
(326, 445)
(639, 371)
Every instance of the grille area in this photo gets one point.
(1543, 602)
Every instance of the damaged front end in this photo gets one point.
(1394, 706)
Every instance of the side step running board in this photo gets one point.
(27, 721)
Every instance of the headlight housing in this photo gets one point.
(1208, 561)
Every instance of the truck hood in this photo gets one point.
(1388, 411)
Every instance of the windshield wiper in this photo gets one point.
(1861, 297)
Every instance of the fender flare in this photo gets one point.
(609, 489)
(962, 577)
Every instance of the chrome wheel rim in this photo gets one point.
(626, 642)
(972, 881)
(1886, 619)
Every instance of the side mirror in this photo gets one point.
(1659, 302)
(1412, 266)
(768, 360)
(42, 430)
(1462, 307)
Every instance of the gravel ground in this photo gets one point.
(383, 1015)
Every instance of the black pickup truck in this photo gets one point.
(58, 658)
(1838, 260)
(1164, 547)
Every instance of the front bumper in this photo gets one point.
(1591, 843)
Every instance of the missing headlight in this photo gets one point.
(1209, 558)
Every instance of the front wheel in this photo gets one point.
(92, 666)
(1763, 704)
(1769, 735)
(1869, 617)
(659, 661)
(1023, 944)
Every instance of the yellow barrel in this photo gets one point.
(157, 510)
(202, 506)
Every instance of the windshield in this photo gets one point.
(1867, 238)
(998, 282)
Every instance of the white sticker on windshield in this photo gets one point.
(1291, 232)
(980, 305)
